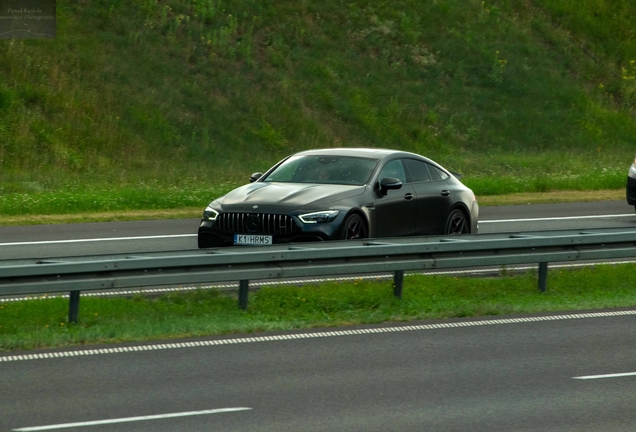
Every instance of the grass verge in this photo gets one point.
(181, 213)
(42, 323)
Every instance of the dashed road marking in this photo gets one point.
(614, 375)
(129, 419)
(311, 335)
(558, 218)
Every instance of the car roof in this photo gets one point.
(374, 153)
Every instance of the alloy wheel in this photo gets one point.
(355, 228)
(456, 223)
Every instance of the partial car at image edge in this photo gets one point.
(341, 194)
(631, 185)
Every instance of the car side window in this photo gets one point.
(393, 169)
(418, 172)
(436, 173)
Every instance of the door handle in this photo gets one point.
(408, 196)
(445, 192)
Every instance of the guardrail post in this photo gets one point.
(73, 307)
(398, 281)
(243, 290)
(543, 276)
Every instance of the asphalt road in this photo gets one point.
(453, 375)
(42, 241)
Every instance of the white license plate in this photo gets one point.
(248, 239)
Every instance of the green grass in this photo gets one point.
(136, 104)
(43, 323)
(81, 198)
(153, 105)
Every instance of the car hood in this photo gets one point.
(287, 195)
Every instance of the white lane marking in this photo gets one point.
(97, 240)
(615, 375)
(130, 419)
(557, 218)
(312, 335)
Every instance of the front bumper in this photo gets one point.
(209, 234)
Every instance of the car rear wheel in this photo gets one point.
(456, 223)
(354, 228)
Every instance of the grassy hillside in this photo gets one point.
(159, 104)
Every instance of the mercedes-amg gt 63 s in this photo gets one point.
(336, 194)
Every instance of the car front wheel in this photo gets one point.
(354, 228)
(456, 223)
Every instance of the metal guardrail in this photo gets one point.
(397, 255)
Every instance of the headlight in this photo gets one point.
(210, 214)
(319, 217)
(632, 170)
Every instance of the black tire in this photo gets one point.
(457, 223)
(354, 228)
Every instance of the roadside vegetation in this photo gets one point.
(42, 323)
(166, 104)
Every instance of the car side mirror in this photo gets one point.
(255, 176)
(388, 183)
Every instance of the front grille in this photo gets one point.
(256, 223)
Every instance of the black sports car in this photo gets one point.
(341, 193)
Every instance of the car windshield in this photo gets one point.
(323, 169)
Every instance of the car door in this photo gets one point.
(395, 212)
(434, 196)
